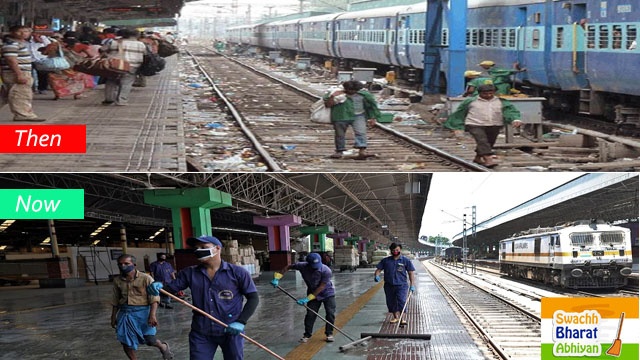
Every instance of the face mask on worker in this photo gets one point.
(395, 252)
(203, 254)
(125, 269)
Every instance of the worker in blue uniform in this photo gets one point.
(218, 288)
(320, 291)
(397, 270)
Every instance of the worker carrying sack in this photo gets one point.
(152, 63)
(166, 48)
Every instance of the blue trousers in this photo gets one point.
(203, 347)
(396, 296)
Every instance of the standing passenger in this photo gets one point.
(117, 90)
(218, 288)
(483, 116)
(397, 270)
(163, 272)
(317, 277)
(134, 310)
(353, 111)
(16, 73)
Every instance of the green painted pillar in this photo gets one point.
(190, 210)
(318, 235)
(353, 240)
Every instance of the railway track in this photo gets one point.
(511, 331)
(524, 154)
(267, 127)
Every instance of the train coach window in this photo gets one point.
(581, 239)
(468, 38)
(535, 39)
(616, 37)
(512, 38)
(503, 38)
(559, 37)
(474, 37)
(603, 37)
(495, 36)
(612, 238)
(591, 36)
(632, 34)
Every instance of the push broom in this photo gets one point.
(617, 344)
(220, 323)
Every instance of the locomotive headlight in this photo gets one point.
(576, 273)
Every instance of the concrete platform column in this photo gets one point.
(362, 245)
(338, 238)
(279, 238)
(318, 235)
(190, 209)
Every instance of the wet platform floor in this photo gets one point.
(73, 323)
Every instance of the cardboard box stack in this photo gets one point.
(242, 255)
(345, 255)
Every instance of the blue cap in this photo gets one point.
(205, 239)
(314, 260)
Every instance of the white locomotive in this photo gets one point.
(583, 254)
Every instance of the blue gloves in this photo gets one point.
(234, 328)
(305, 300)
(302, 301)
(412, 288)
(154, 288)
(377, 278)
(276, 279)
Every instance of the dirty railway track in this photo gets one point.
(276, 117)
(511, 331)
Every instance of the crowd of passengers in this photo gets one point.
(26, 64)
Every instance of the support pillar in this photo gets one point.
(318, 235)
(362, 245)
(123, 238)
(457, 17)
(190, 210)
(279, 238)
(338, 238)
(55, 250)
(353, 240)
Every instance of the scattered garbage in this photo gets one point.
(288, 147)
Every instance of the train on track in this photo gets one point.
(583, 254)
(452, 254)
(581, 56)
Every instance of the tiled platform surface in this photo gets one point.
(146, 135)
(73, 323)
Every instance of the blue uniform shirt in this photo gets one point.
(313, 278)
(395, 271)
(221, 297)
(161, 271)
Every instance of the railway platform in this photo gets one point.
(146, 135)
(73, 323)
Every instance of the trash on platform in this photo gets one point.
(288, 147)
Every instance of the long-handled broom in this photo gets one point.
(318, 315)
(617, 343)
(220, 323)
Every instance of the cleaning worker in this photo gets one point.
(501, 77)
(397, 270)
(473, 80)
(218, 288)
(320, 291)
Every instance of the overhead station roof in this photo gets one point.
(374, 206)
(607, 196)
(93, 10)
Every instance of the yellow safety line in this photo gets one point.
(307, 350)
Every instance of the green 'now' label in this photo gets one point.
(42, 204)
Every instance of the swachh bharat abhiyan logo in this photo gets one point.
(597, 328)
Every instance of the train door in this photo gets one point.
(387, 33)
(336, 39)
(299, 44)
(521, 35)
(536, 248)
(583, 39)
(553, 242)
(401, 41)
(328, 38)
